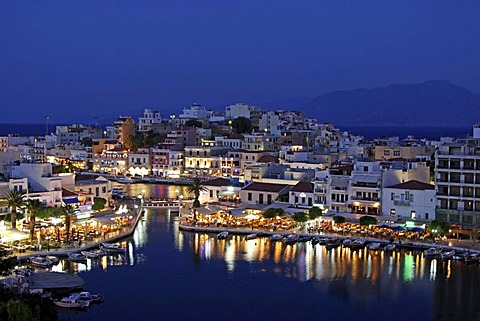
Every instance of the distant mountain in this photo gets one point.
(432, 103)
(288, 104)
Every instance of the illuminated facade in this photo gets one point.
(113, 161)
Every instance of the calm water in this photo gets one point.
(171, 275)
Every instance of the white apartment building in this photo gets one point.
(412, 199)
(366, 188)
(261, 142)
(240, 110)
(149, 119)
(113, 161)
(196, 111)
(139, 162)
(269, 122)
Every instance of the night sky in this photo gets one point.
(75, 61)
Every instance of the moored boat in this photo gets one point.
(52, 259)
(389, 247)
(291, 239)
(112, 248)
(251, 236)
(41, 261)
(77, 257)
(333, 243)
(276, 237)
(471, 258)
(447, 255)
(373, 246)
(432, 252)
(222, 235)
(93, 253)
(357, 244)
(72, 302)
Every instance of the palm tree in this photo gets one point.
(33, 206)
(196, 188)
(15, 200)
(68, 211)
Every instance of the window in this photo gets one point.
(260, 199)
(211, 193)
(407, 195)
(426, 216)
(413, 214)
(396, 153)
(386, 152)
(392, 212)
(365, 168)
(249, 196)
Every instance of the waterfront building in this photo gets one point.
(124, 127)
(338, 190)
(139, 162)
(176, 163)
(113, 161)
(221, 190)
(264, 193)
(411, 199)
(457, 182)
(241, 110)
(204, 160)
(302, 195)
(366, 188)
(149, 120)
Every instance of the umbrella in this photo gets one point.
(383, 226)
(416, 229)
(397, 228)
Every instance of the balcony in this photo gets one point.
(368, 199)
(402, 203)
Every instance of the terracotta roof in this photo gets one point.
(305, 187)
(413, 184)
(265, 187)
(218, 182)
(267, 159)
(68, 193)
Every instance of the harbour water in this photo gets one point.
(172, 275)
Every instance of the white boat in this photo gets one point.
(72, 302)
(125, 180)
(291, 239)
(432, 252)
(389, 247)
(41, 261)
(93, 253)
(276, 237)
(357, 244)
(373, 246)
(52, 259)
(471, 258)
(112, 248)
(251, 236)
(87, 296)
(333, 243)
(448, 255)
(77, 257)
(222, 235)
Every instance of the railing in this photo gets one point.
(360, 198)
(402, 203)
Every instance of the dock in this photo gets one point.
(54, 280)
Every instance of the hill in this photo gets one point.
(431, 103)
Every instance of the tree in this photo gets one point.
(300, 217)
(368, 220)
(98, 203)
(314, 212)
(273, 212)
(196, 188)
(338, 219)
(242, 125)
(68, 211)
(15, 200)
(438, 227)
(193, 123)
(33, 206)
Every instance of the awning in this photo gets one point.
(339, 182)
(103, 220)
(82, 222)
(73, 200)
(227, 193)
(365, 178)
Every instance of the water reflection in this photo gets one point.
(305, 261)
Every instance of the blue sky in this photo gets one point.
(75, 61)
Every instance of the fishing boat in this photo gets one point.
(41, 261)
(93, 253)
(357, 244)
(222, 235)
(333, 243)
(447, 255)
(52, 259)
(72, 302)
(291, 239)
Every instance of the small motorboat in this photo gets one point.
(41, 261)
(112, 248)
(76, 257)
(389, 247)
(52, 259)
(276, 237)
(432, 252)
(447, 255)
(87, 296)
(291, 239)
(374, 246)
(72, 302)
(304, 238)
(471, 258)
(357, 244)
(222, 235)
(251, 236)
(315, 240)
(459, 257)
(93, 253)
(333, 243)
(323, 241)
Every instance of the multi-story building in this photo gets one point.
(264, 193)
(149, 120)
(3, 144)
(269, 122)
(338, 193)
(240, 110)
(261, 142)
(139, 162)
(182, 137)
(366, 188)
(302, 195)
(457, 182)
(124, 127)
(196, 111)
(113, 161)
(204, 160)
(405, 152)
(412, 199)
